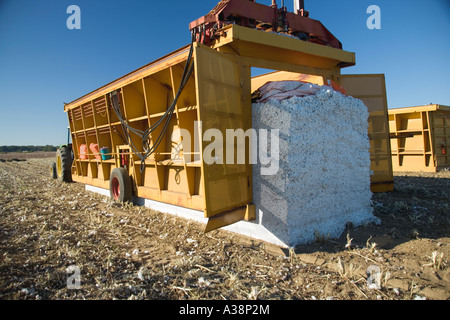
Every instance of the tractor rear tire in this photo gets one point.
(120, 185)
(64, 164)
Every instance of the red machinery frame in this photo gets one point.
(248, 13)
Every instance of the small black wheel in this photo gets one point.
(64, 164)
(53, 171)
(120, 185)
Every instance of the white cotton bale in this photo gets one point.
(323, 181)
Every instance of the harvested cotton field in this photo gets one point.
(129, 252)
(323, 181)
(21, 156)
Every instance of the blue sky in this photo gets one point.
(43, 63)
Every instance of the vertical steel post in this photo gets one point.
(299, 5)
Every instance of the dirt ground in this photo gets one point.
(129, 252)
(22, 156)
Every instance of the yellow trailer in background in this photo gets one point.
(420, 137)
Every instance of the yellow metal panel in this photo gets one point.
(411, 162)
(134, 102)
(247, 213)
(371, 89)
(222, 82)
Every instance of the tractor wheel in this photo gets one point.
(64, 164)
(120, 185)
(53, 171)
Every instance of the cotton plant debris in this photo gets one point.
(42, 235)
(323, 181)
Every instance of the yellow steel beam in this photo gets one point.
(432, 107)
(261, 45)
(247, 213)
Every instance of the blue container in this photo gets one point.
(105, 153)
